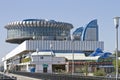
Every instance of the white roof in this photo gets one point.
(20, 48)
(77, 56)
(69, 56)
(44, 53)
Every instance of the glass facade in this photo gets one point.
(77, 33)
(90, 32)
(87, 33)
(40, 29)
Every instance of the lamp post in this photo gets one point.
(37, 51)
(51, 56)
(116, 22)
(72, 38)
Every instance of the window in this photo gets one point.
(41, 57)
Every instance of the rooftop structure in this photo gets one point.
(87, 33)
(41, 29)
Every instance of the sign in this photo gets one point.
(45, 65)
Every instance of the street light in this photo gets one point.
(51, 46)
(37, 51)
(72, 38)
(116, 22)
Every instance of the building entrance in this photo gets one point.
(45, 69)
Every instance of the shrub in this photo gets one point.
(99, 73)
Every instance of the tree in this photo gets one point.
(114, 64)
(118, 53)
(85, 69)
(99, 73)
(114, 61)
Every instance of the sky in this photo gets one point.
(77, 12)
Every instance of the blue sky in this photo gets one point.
(77, 12)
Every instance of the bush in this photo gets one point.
(99, 73)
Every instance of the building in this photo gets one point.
(42, 62)
(40, 29)
(38, 35)
(87, 33)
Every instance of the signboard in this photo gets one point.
(45, 65)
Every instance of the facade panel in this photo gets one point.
(57, 46)
(66, 45)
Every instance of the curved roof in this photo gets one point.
(78, 31)
(97, 52)
(100, 53)
(106, 55)
(92, 24)
(38, 23)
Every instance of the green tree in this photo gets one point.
(114, 61)
(99, 73)
(118, 53)
(85, 69)
(114, 64)
(26, 60)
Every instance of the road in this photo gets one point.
(19, 77)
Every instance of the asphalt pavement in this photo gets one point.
(19, 77)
